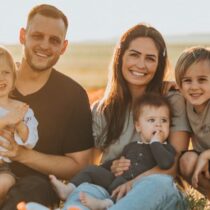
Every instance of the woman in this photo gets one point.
(139, 65)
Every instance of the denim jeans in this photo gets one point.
(154, 192)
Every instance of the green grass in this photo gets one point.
(196, 201)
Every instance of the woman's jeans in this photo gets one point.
(154, 192)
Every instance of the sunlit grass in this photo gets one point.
(196, 201)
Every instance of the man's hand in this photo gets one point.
(119, 166)
(13, 149)
(122, 190)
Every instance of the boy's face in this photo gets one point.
(6, 79)
(152, 120)
(195, 85)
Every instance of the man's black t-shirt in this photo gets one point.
(62, 110)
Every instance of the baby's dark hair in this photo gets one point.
(150, 99)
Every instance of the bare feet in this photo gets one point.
(94, 203)
(63, 190)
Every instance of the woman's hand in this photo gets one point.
(119, 166)
(13, 150)
(122, 190)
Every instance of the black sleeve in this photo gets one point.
(79, 131)
(164, 154)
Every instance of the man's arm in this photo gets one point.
(64, 167)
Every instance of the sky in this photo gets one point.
(102, 20)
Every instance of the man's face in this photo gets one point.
(44, 42)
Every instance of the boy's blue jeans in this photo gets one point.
(154, 192)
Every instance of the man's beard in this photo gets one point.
(37, 68)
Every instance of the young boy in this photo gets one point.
(193, 78)
(16, 117)
(152, 116)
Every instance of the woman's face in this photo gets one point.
(139, 62)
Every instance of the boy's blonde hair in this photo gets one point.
(187, 58)
(6, 57)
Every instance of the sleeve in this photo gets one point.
(164, 154)
(107, 164)
(179, 115)
(32, 124)
(98, 124)
(78, 125)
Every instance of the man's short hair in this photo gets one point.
(48, 11)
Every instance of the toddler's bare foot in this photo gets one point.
(94, 203)
(61, 189)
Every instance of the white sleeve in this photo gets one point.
(32, 124)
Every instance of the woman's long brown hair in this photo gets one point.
(117, 98)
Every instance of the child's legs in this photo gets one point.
(187, 163)
(116, 182)
(91, 189)
(95, 175)
(95, 203)
(35, 206)
(156, 191)
(7, 180)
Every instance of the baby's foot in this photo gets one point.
(61, 189)
(94, 203)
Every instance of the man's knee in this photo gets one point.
(31, 188)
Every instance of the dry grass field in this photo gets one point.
(88, 63)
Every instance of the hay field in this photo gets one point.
(88, 63)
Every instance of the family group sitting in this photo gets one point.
(126, 150)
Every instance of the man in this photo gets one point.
(60, 106)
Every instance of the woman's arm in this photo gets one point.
(180, 141)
